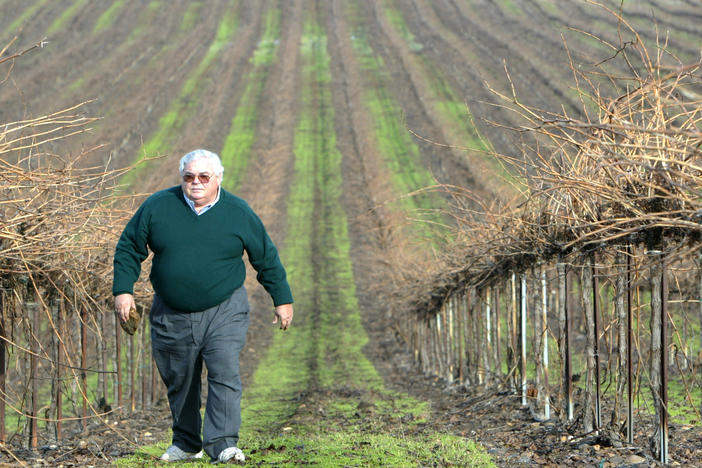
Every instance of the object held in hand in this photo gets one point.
(131, 325)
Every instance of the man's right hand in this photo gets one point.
(123, 304)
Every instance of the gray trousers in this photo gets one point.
(181, 342)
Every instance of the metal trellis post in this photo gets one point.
(629, 339)
(544, 341)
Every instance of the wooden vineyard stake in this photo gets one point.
(33, 435)
(118, 360)
(84, 364)
(522, 335)
(3, 366)
(596, 342)
(60, 350)
(663, 430)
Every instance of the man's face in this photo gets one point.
(193, 182)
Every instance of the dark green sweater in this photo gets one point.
(197, 260)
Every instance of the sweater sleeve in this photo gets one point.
(264, 258)
(130, 252)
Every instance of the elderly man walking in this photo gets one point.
(198, 233)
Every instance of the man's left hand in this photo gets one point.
(284, 314)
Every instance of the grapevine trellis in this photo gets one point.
(599, 255)
(61, 344)
(63, 356)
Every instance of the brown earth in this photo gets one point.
(134, 83)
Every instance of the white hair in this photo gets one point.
(203, 154)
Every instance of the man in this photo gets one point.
(200, 313)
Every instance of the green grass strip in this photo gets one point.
(511, 7)
(443, 96)
(236, 151)
(268, 403)
(398, 22)
(181, 109)
(108, 17)
(67, 14)
(400, 152)
(191, 16)
(338, 331)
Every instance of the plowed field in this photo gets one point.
(317, 109)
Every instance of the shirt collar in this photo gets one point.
(191, 203)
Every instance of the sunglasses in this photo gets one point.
(203, 178)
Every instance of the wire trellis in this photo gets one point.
(611, 195)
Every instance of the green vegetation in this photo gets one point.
(681, 408)
(681, 337)
(400, 153)
(454, 110)
(78, 84)
(511, 7)
(236, 150)
(348, 448)
(267, 48)
(551, 7)
(457, 122)
(60, 22)
(398, 22)
(109, 16)
(191, 16)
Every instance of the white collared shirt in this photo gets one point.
(191, 203)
